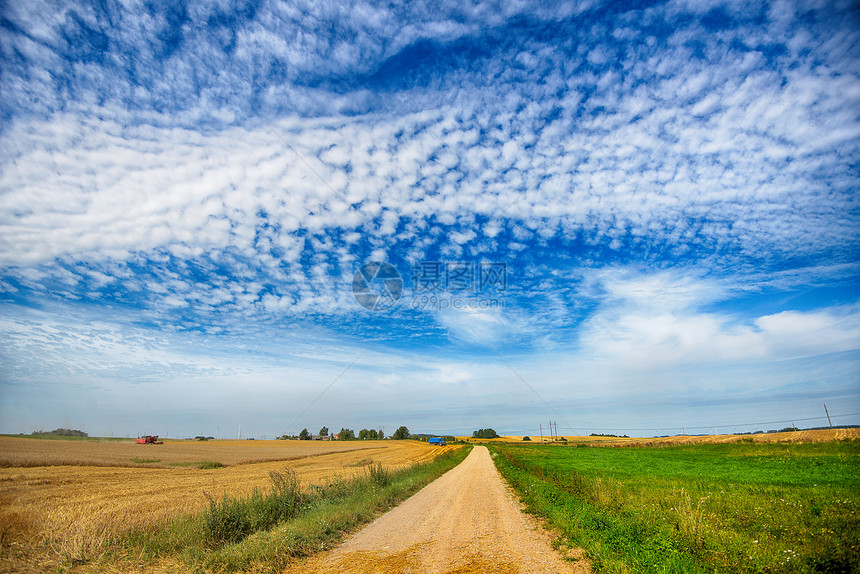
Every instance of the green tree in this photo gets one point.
(304, 435)
(372, 434)
(526, 438)
(484, 433)
(346, 434)
(324, 431)
(401, 434)
(362, 434)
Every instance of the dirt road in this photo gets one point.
(464, 522)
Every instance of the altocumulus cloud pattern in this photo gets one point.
(188, 189)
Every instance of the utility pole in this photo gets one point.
(541, 432)
(828, 416)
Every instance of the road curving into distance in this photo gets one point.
(467, 521)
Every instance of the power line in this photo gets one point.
(712, 425)
(514, 371)
(336, 379)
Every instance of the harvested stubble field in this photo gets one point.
(70, 506)
(25, 452)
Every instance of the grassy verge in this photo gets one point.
(268, 530)
(748, 508)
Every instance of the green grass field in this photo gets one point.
(742, 507)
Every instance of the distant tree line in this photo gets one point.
(485, 433)
(609, 435)
(349, 434)
(60, 432)
(363, 434)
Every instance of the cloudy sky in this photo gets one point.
(623, 217)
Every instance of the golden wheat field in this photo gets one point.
(820, 435)
(68, 497)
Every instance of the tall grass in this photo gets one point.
(379, 475)
(691, 520)
(230, 520)
(700, 509)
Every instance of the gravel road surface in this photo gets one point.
(465, 522)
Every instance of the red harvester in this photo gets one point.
(149, 439)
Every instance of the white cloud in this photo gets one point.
(655, 321)
(475, 326)
(706, 142)
(793, 333)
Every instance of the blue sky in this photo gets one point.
(187, 193)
